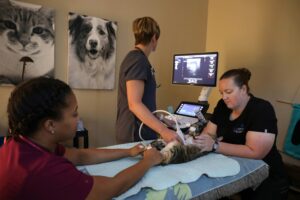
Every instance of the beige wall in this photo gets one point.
(183, 25)
(262, 35)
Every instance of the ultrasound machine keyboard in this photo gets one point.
(182, 120)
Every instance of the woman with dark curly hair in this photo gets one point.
(42, 113)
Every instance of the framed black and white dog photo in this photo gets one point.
(92, 52)
(26, 41)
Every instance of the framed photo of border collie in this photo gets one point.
(26, 41)
(92, 52)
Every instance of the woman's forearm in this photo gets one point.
(238, 150)
(93, 156)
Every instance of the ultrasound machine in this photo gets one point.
(199, 69)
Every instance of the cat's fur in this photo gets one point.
(25, 31)
(175, 152)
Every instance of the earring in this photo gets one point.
(52, 132)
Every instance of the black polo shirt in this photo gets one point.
(258, 116)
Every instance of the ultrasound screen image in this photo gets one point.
(197, 69)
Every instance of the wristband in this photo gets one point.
(215, 146)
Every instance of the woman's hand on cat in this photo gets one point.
(136, 150)
(205, 142)
(153, 156)
(169, 135)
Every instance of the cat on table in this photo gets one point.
(176, 152)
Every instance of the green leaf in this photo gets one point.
(156, 194)
(182, 191)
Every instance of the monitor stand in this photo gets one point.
(203, 97)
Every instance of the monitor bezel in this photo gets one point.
(203, 111)
(196, 84)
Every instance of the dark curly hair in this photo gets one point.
(34, 101)
(241, 76)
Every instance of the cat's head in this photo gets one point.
(159, 144)
(26, 31)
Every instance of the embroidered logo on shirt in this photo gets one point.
(239, 129)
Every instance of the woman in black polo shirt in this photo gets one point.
(246, 126)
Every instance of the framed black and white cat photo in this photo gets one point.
(26, 41)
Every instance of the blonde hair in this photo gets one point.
(144, 29)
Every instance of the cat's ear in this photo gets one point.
(48, 12)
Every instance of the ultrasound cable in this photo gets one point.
(178, 130)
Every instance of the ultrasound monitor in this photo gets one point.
(195, 69)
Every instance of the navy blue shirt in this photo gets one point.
(135, 66)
